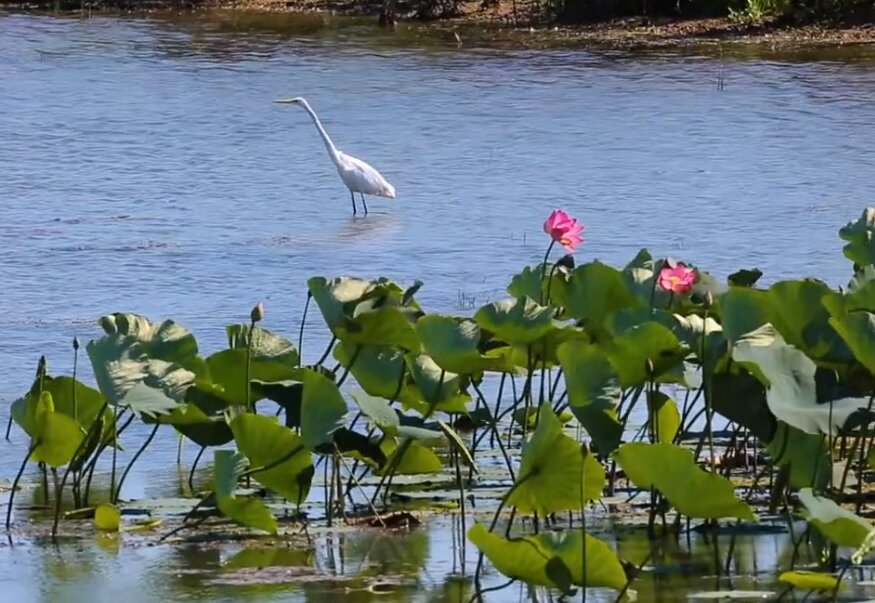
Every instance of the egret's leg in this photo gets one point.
(352, 196)
(363, 202)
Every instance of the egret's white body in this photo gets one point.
(358, 176)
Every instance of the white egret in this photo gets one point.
(358, 176)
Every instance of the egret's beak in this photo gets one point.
(285, 101)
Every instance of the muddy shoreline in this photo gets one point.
(475, 21)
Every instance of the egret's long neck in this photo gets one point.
(332, 150)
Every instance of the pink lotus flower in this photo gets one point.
(564, 229)
(678, 280)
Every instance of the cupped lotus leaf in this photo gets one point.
(356, 445)
(168, 340)
(526, 559)
(630, 352)
(57, 437)
(119, 363)
(741, 397)
(529, 417)
(841, 526)
(858, 331)
(671, 470)
(266, 443)
(70, 397)
(379, 370)
(694, 331)
(789, 377)
(806, 454)
(593, 393)
(640, 275)
(593, 292)
(248, 511)
(664, 418)
(391, 422)
(439, 389)
(383, 326)
(860, 237)
(288, 394)
(451, 342)
(555, 474)
(744, 277)
(147, 402)
(803, 320)
(337, 297)
(415, 459)
(528, 283)
(107, 518)
(202, 429)
(323, 409)
(743, 310)
(520, 321)
(378, 411)
(265, 345)
(227, 375)
(810, 580)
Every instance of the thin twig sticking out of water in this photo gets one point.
(721, 72)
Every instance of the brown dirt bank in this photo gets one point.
(630, 33)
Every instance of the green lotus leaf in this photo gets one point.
(391, 422)
(248, 511)
(147, 403)
(356, 445)
(202, 429)
(839, 525)
(56, 437)
(415, 459)
(593, 393)
(284, 455)
(323, 410)
(803, 321)
(338, 297)
(860, 237)
(520, 321)
(743, 310)
(593, 292)
(378, 370)
(529, 417)
(857, 329)
(71, 397)
(555, 474)
(672, 470)
(366, 312)
(120, 362)
(168, 341)
(664, 418)
(438, 388)
(265, 345)
(528, 283)
(227, 375)
(744, 277)
(791, 390)
(289, 395)
(806, 454)
(384, 326)
(452, 343)
(526, 559)
(810, 580)
(630, 351)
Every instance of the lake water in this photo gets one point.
(145, 169)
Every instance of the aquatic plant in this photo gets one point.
(567, 357)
